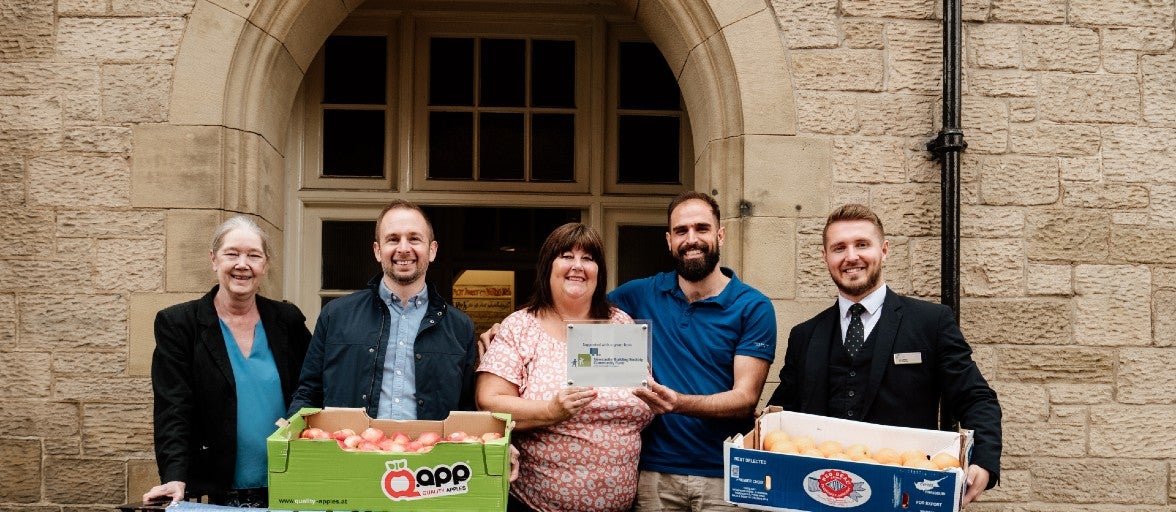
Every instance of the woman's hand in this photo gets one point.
(570, 401)
(173, 489)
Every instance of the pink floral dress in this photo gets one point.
(589, 461)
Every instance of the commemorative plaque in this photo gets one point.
(608, 355)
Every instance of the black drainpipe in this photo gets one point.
(947, 148)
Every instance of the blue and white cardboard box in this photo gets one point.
(764, 480)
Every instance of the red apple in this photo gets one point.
(314, 433)
(425, 449)
(490, 436)
(373, 435)
(400, 438)
(412, 446)
(456, 437)
(340, 435)
(368, 446)
(352, 442)
(429, 438)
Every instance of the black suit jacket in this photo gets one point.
(195, 393)
(906, 395)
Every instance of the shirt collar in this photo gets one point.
(390, 298)
(669, 284)
(872, 302)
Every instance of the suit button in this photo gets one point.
(420, 402)
(364, 397)
(418, 356)
(851, 393)
(370, 350)
(852, 374)
(850, 414)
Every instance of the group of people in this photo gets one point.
(228, 365)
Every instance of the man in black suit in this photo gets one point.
(879, 357)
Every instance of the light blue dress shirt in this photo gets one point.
(398, 385)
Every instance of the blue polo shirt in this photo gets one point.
(693, 350)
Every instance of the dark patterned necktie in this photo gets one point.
(855, 336)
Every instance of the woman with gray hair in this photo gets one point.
(224, 368)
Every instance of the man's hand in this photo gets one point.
(660, 399)
(485, 338)
(977, 482)
(174, 490)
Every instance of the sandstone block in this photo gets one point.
(119, 39)
(1038, 321)
(1100, 481)
(1019, 180)
(1112, 305)
(1022, 403)
(974, 10)
(992, 267)
(33, 113)
(141, 327)
(130, 264)
(1057, 364)
(84, 108)
(903, 9)
(177, 166)
(908, 209)
(25, 376)
(1161, 205)
(1164, 318)
(1060, 48)
(26, 31)
(1090, 98)
(96, 139)
(21, 471)
(189, 231)
(981, 221)
(1134, 154)
(47, 78)
(81, 363)
(993, 46)
(26, 232)
(1126, 241)
(103, 389)
(812, 277)
(1081, 168)
(151, 7)
(838, 70)
(81, 7)
(988, 125)
(861, 160)
(808, 23)
(903, 115)
(1029, 11)
(1137, 382)
(763, 174)
(118, 430)
(1054, 139)
(1132, 431)
(73, 321)
(820, 112)
(1138, 39)
(41, 275)
(1080, 394)
(1001, 83)
(62, 447)
(1157, 13)
(1022, 110)
(1159, 93)
(136, 92)
(121, 224)
(1046, 279)
(862, 34)
(768, 249)
(143, 474)
(1120, 62)
(75, 181)
(7, 320)
(1071, 235)
(1105, 195)
(915, 52)
(1015, 486)
(921, 165)
(1044, 438)
(76, 480)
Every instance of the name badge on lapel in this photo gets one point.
(908, 358)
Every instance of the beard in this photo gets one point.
(695, 270)
(402, 279)
(861, 288)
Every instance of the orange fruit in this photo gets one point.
(828, 448)
(803, 443)
(911, 456)
(920, 464)
(887, 456)
(785, 447)
(774, 437)
(812, 452)
(857, 452)
(944, 460)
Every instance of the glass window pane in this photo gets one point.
(347, 254)
(451, 71)
(353, 143)
(647, 149)
(553, 73)
(641, 252)
(553, 147)
(356, 70)
(500, 146)
(502, 72)
(451, 145)
(646, 81)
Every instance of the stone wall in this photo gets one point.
(1069, 189)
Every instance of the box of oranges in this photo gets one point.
(793, 461)
(340, 459)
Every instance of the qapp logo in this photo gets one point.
(837, 488)
(401, 483)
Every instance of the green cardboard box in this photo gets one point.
(307, 474)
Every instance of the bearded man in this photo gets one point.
(879, 357)
(714, 338)
(397, 348)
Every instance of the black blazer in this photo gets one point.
(906, 395)
(195, 394)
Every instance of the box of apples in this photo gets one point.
(340, 459)
(793, 462)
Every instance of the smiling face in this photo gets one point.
(573, 275)
(854, 251)
(694, 239)
(240, 262)
(404, 247)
